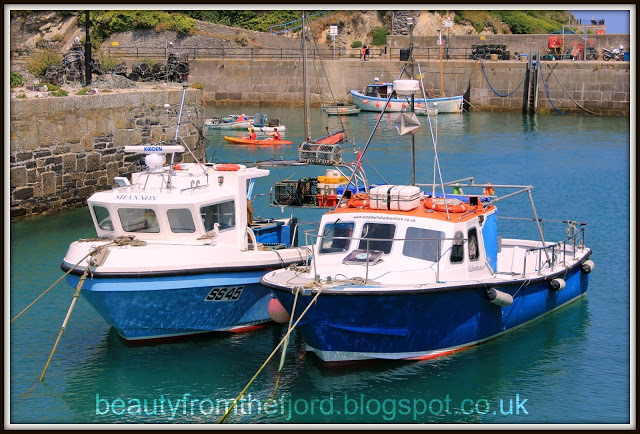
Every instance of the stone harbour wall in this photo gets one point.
(63, 149)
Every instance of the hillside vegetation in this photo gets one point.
(106, 23)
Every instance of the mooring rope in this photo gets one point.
(547, 91)
(233, 404)
(495, 91)
(565, 90)
(286, 343)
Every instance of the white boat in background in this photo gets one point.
(340, 109)
(230, 122)
(376, 95)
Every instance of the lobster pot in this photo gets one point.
(296, 192)
(395, 197)
(320, 154)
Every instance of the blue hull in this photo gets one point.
(160, 307)
(420, 324)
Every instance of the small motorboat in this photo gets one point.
(376, 95)
(230, 122)
(406, 272)
(340, 109)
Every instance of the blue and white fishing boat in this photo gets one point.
(407, 272)
(376, 95)
(177, 250)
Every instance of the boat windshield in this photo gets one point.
(377, 236)
(221, 213)
(336, 237)
(422, 244)
(138, 220)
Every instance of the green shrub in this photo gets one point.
(83, 91)
(197, 86)
(57, 37)
(356, 44)
(50, 87)
(106, 23)
(41, 60)
(17, 79)
(21, 96)
(379, 36)
(107, 61)
(59, 92)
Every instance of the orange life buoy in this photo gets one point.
(359, 200)
(227, 167)
(453, 205)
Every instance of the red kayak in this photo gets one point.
(268, 141)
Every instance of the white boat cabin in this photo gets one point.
(188, 203)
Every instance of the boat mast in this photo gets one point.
(305, 78)
(413, 101)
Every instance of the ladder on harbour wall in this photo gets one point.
(530, 96)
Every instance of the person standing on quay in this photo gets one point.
(366, 53)
(362, 52)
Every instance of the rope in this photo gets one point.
(286, 343)
(571, 231)
(565, 90)
(547, 91)
(496, 92)
(233, 404)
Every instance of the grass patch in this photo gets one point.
(17, 79)
(59, 92)
(41, 60)
(197, 86)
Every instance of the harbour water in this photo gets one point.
(571, 366)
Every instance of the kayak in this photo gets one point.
(243, 141)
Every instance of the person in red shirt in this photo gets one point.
(276, 135)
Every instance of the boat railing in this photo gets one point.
(311, 239)
(556, 253)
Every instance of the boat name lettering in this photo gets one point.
(385, 217)
(476, 267)
(224, 293)
(136, 197)
(153, 148)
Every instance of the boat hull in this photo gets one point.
(373, 104)
(340, 110)
(240, 125)
(378, 325)
(168, 306)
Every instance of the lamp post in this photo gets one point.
(441, 66)
(167, 44)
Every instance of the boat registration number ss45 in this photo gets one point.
(224, 293)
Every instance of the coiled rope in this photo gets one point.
(547, 91)
(233, 404)
(495, 91)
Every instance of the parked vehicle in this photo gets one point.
(615, 53)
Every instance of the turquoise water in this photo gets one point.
(571, 366)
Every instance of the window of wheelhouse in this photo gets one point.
(103, 218)
(181, 221)
(372, 91)
(222, 213)
(377, 236)
(474, 250)
(423, 243)
(139, 220)
(457, 248)
(336, 237)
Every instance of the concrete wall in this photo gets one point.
(602, 87)
(519, 43)
(63, 149)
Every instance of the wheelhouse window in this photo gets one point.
(336, 237)
(474, 253)
(103, 218)
(377, 236)
(181, 221)
(457, 248)
(222, 213)
(138, 220)
(422, 244)
(372, 91)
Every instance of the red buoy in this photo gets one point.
(277, 312)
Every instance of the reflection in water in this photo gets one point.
(530, 123)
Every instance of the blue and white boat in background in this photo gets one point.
(406, 272)
(376, 95)
(180, 252)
